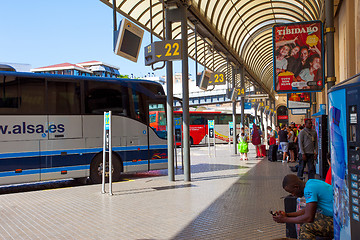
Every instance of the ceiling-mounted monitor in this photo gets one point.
(202, 80)
(128, 40)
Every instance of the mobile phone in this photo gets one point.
(272, 213)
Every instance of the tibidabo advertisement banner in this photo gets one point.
(298, 100)
(298, 57)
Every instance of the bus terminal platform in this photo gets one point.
(226, 199)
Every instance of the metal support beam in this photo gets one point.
(170, 104)
(256, 110)
(261, 119)
(329, 26)
(265, 126)
(185, 86)
(234, 109)
(242, 99)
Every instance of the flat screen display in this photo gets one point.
(130, 44)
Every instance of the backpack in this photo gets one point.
(256, 137)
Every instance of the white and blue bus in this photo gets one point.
(51, 126)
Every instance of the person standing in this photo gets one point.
(256, 136)
(308, 147)
(243, 145)
(271, 134)
(291, 138)
(296, 145)
(284, 143)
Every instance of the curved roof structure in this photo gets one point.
(240, 31)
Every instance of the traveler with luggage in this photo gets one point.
(256, 136)
(272, 153)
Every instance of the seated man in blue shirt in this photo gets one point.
(317, 217)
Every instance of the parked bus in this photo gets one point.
(199, 127)
(51, 126)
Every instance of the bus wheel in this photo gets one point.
(96, 168)
(191, 141)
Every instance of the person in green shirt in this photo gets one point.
(317, 217)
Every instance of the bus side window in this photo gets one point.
(139, 107)
(63, 97)
(100, 97)
(32, 92)
(9, 94)
(196, 120)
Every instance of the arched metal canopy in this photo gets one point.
(240, 31)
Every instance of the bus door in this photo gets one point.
(157, 135)
(61, 154)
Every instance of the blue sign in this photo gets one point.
(177, 123)
(211, 124)
(247, 105)
(231, 125)
(107, 121)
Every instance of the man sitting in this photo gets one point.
(317, 217)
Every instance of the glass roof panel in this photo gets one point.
(244, 25)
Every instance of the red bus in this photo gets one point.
(199, 127)
(198, 124)
(157, 120)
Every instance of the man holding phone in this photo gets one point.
(317, 217)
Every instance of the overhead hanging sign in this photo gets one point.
(298, 57)
(247, 105)
(217, 78)
(298, 100)
(168, 50)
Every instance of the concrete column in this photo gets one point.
(329, 29)
(170, 104)
(185, 85)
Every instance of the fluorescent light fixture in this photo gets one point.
(208, 41)
(171, 5)
(190, 24)
(222, 54)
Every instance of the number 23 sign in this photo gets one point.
(217, 78)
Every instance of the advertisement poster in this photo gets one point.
(339, 165)
(298, 57)
(298, 100)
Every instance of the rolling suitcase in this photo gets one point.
(263, 150)
(279, 155)
(272, 153)
(290, 206)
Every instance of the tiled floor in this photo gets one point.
(226, 199)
